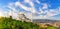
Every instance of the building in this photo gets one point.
(23, 18)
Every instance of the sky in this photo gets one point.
(33, 9)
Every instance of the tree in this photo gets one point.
(9, 23)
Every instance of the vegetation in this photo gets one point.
(50, 27)
(9, 23)
(58, 27)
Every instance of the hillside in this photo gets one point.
(9, 23)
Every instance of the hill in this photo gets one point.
(9, 23)
(45, 20)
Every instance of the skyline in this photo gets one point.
(33, 9)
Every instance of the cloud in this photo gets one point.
(27, 1)
(41, 11)
(11, 7)
(28, 15)
(1, 12)
(48, 13)
(8, 13)
(45, 6)
(30, 2)
(31, 9)
(38, 1)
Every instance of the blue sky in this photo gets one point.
(33, 9)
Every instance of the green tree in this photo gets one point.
(9, 23)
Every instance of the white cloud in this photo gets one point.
(28, 15)
(41, 11)
(45, 6)
(30, 2)
(27, 1)
(1, 12)
(31, 9)
(38, 1)
(8, 13)
(18, 4)
(48, 13)
(11, 6)
(5, 14)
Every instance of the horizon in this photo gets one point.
(33, 9)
